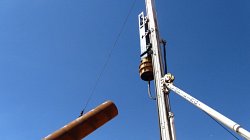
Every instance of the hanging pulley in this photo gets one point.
(146, 69)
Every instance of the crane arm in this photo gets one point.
(167, 84)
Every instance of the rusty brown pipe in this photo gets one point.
(86, 124)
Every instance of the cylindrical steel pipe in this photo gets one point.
(86, 124)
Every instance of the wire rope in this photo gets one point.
(222, 126)
(108, 57)
(149, 92)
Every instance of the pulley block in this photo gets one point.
(146, 69)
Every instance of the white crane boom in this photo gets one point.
(167, 84)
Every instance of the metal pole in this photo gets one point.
(166, 129)
(213, 113)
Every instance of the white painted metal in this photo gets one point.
(142, 31)
(171, 118)
(162, 99)
(213, 113)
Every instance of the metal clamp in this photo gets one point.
(167, 79)
(146, 33)
(170, 114)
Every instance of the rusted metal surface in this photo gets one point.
(146, 69)
(86, 124)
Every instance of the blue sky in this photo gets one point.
(51, 52)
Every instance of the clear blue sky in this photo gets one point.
(51, 52)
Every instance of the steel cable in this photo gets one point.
(108, 57)
(222, 126)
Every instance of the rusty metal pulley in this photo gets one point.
(146, 69)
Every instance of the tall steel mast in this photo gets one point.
(152, 68)
(166, 129)
(151, 51)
